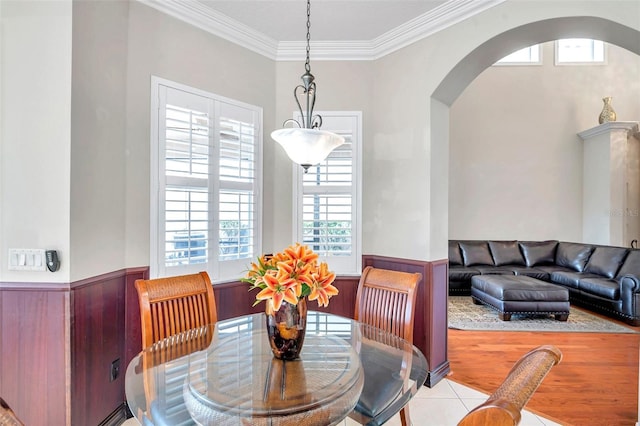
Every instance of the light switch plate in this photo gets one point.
(27, 260)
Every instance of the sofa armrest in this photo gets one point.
(630, 296)
(629, 284)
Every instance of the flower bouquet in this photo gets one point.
(285, 281)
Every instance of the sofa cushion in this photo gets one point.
(455, 257)
(493, 270)
(631, 265)
(539, 252)
(573, 255)
(550, 269)
(476, 253)
(569, 279)
(606, 261)
(461, 273)
(506, 253)
(603, 287)
(536, 273)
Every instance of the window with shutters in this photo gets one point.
(327, 209)
(205, 198)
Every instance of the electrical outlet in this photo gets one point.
(115, 370)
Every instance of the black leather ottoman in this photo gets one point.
(518, 294)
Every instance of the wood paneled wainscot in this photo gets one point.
(58, 341)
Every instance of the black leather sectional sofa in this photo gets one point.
(602, 278)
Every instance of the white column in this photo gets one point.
(611, 183)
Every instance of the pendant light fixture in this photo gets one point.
(306, 144)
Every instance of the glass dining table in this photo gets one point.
(225, 374)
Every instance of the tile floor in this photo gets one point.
(443, 405)
(446, 404)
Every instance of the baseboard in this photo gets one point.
(438, 374)
(117, 417)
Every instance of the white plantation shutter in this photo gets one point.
(207, 152)
(328, 208)
(237, 202)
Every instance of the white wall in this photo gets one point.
(35, 132)
(166, 47)
(98, 134)
(515, 157)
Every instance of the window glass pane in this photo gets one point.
(527, 55)
(327, 224)
(186, 142)
(336, 169)
(237, 150)
(186, 226)
(574, 50)
(236, 230)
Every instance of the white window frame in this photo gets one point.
(219, 271)
(536, 47)
(557, 48)
(341, 265)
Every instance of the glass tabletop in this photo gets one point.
(226, 375)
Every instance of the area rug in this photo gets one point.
(465, 315)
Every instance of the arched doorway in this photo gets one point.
(472, 65)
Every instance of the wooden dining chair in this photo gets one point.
(504, 406)
(386, 300)
(7, 416)
(172, 305)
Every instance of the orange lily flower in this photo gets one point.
(322, 289)
(291, 275)
(275, 291)
(301, 254)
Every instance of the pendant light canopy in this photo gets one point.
(306, 144)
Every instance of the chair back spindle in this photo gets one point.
(172, 305)
(386, 300)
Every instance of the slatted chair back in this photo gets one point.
(7, 416)
(504, 406)
(172, 305)
(386, 299)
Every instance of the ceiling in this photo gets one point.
(340, 29)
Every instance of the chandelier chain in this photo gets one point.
(307, 67)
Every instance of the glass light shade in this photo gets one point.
(307, 146)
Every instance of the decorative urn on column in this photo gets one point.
(607, 114)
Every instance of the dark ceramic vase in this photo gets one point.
(286, 328)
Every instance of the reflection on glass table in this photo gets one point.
(226, 375)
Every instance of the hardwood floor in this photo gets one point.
(596, 383)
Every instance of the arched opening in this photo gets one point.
(481, 58)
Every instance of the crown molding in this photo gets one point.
(216, 23)
(437, 19)
(326, 51)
